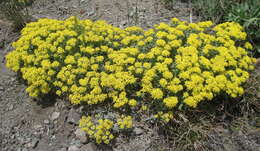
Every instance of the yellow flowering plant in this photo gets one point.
(131, 69)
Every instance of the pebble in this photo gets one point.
(258, 95)
(46, 122)
(33, 143)
(11, 107)
(55, 115)
(37, 126)
(73, 148)
(138, 131)
(63, 149)
(258, 62)
(73, 117)
(2, 88)
(89, 147)
(80, 134)
(19, 149)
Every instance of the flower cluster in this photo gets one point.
(155, 70)
(125, 122)
(100, 131)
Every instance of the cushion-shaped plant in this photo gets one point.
(129, 70)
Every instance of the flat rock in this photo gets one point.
(258, 95)
(89, 147)
(33, 143)
(73, 148)
(2, 88)
(55, 115)
(46, 121)
(81, 135)
(73, 117)
(138, 131)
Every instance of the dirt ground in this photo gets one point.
(51, 124)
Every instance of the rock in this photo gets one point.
(258, 62)
(11, 107)
(73, 148)
(2, 88)
(81, 135)
(63, 149)
(33, 143)
(138, 131)
(25, 149)
(46, 122)
(73, 117)
(258, 95)
(38, 127)
(89, 147)
(19, 149)
(55, 115)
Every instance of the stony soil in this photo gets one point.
(51, 124)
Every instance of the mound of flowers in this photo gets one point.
(131, 71)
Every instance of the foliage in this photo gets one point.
(244, 12)
(248, 15)
(131, 71)
(13, 10)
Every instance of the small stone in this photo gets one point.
(258, 95)
(46, 122)
(89, 147)
(73, 148)
(12, 136)
(11, 107)
(258, 62)
(19, 149)
(25, 149)
(80, 134)
(138, 131)
(34, 143)
(63, 149)
(55, 115)
(2, 88)
(73, 117)
(37, 126)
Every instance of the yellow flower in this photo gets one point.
(170, 102)
(157, 93)
(160, 42)
(132, 102)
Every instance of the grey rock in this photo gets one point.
(138, 131)
(38, 127)
(73, 117)
(11, 107)
(73, 148)
(46, 121)
(89, 147)
(19, 149)
(55, 115)
(33, 143)
(81, 135)
(12, 136)
(75, 142)
(258, 95)
(63, 149)
(25, 149)
(2, 88)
